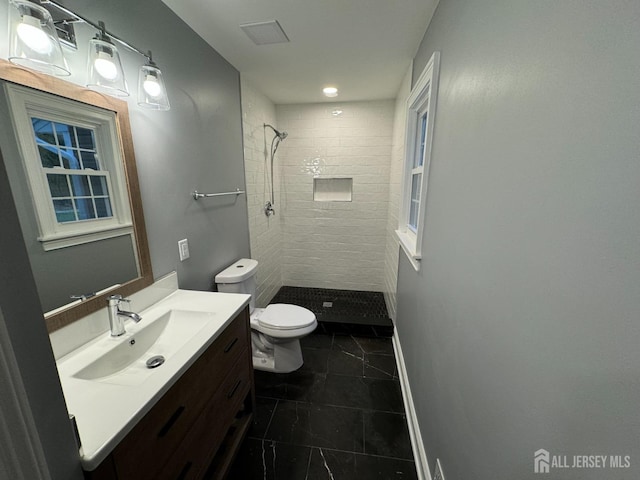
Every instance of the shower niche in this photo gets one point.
(332, 189)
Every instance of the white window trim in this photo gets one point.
(424, 93)
(24, 103)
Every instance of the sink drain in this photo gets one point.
(155, 361)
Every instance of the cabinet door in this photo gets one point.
(192, 458)
(146, 449)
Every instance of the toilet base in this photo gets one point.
(281, 357)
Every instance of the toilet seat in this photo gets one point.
(289, 322)
(280, 316)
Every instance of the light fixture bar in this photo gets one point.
(104, 68)
(96, 26)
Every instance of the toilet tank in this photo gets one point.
(239, 278)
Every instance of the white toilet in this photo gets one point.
(276, 330)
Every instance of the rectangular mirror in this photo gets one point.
(69, 155)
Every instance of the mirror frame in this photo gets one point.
(12, 73)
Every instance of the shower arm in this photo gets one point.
(281, 135)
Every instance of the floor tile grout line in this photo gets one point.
(308, 464)
(364, 435)
(304, 445)
(357, 343)
(331, 349)
(273, 412)
(394, 380)
(367, 364)
(368, 410)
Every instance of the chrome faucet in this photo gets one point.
(116, 323)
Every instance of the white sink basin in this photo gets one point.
(106, 382)
(123, 360)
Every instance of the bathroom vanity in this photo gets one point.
(209, 405)
(185, 418)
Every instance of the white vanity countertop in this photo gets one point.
(107, 411)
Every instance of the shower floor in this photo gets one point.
(347, 312)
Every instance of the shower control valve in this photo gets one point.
(268, 209)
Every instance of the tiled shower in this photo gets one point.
(337, 244)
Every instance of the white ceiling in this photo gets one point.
(363, 47)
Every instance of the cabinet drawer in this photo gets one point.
(143, 453)
(192, 458)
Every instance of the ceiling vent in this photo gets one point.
(265, 33)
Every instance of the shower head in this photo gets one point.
(281, 135)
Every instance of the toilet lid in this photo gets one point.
(281, 316)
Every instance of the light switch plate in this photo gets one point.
(183, 249)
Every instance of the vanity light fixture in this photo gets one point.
(104, 68)
(151, 90)
(330, 91)
(35, 43)
(33, 39)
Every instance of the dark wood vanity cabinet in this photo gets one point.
(196, 428)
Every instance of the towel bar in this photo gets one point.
(196, 195)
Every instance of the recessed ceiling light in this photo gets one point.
(265, 33)
(330, 91)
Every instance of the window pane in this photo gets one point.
(65, 135)
(75, 197)
(43, 130)
(84, 208)
(89, 160)
(99, 186)
(85, 138)
(60, 144)
(80, 186)
(58, 185)
(416, 182)
(64, 211)
(69, 159)
(413, 216)
(103, 208)
(49, 157)
(422, 135)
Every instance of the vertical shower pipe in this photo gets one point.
(275, 142)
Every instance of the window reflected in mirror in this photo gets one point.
(69, 155)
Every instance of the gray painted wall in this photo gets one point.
(22, 315)
(521, 331)
(196, 145)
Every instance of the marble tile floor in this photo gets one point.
(340, 416)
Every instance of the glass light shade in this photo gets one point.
(104, 69)
(151, 89)
(33, 39)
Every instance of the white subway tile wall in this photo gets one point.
(395, 178)
(265, 232)
(344, 245)
(339, 245)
